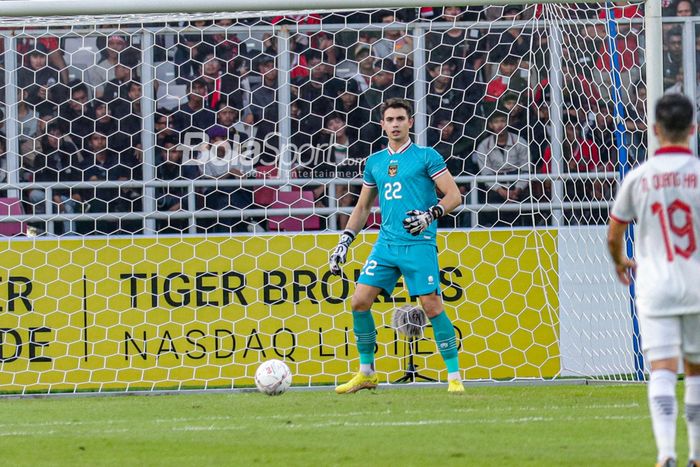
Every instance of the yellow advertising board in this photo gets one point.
(142, 313)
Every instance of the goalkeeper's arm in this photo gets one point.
(452, 196)
(362, 210)
(357, 220)
(417, 220)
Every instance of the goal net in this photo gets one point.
(172, 186)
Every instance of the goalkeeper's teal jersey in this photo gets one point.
(404, 181)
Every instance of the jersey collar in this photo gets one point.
(401, 149)
(673, 150)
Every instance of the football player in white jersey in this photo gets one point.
(663, 196)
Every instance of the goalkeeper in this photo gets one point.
(405, 176)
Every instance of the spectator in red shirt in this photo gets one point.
(627, 46)
(578, 154)
(506, 79)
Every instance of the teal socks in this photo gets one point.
(446, 341)
(445, 338)
(366, 334)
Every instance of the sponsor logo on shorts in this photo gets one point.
(431, 279)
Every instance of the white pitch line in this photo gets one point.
(527, 408)
(209, 427)
(62, 433)
(335, 415)
(16, 429)
(511, 421)
(73, 423)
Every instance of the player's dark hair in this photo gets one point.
(396, 103)
(674, 116)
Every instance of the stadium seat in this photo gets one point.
(11, 207)
(298, 222)
(265, 195)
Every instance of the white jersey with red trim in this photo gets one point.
(663, 196)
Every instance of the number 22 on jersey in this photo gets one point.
(684, 230)
(392, 190)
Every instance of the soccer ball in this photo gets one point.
(273, 377)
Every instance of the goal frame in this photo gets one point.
(52, 8)
(58, 8)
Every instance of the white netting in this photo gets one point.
(135, 146)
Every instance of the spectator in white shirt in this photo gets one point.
(503, 153)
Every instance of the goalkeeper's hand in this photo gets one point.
(417, 221)
(341, 252)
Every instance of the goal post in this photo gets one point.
(45, 8)
(178, 173)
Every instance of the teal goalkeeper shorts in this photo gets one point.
(417, 263)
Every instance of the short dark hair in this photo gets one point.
(674, 116)
(313, 54)
(509, 96)
(199, 82)
(76, 86)
(396, 103)
(335, 115)
(263, 59)
(39, 49)
(442, 115)
(56, 126)
(674, 31)
(498, 113)
(132, 83)
(381, 14)
(511, 60)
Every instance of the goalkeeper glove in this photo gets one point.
(341, 252)
(417, 221)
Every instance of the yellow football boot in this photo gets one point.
(455, 386)
(357, 383)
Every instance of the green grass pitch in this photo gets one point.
(489, 425)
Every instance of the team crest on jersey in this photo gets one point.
(393, 170)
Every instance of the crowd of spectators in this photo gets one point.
(488, 112)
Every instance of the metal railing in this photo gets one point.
(472, 205)
(147, 37)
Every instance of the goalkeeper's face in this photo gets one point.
(396, 124)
